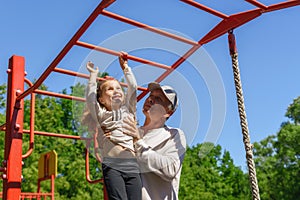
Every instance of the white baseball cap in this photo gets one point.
(168, 91)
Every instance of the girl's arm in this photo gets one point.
(91, 93)
(130, 100)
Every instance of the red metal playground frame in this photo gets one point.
(12, 165)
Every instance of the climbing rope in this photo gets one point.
(243, 118)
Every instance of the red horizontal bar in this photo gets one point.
(71, 73)
(77, 74)
(54, 94)
(282, 5)
(147, 27)
(57, 135)
(116, 53)
(257, 4)
(34, 195)
(205, 8)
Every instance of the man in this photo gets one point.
(159, 149)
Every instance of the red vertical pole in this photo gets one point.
(105, 192)
(14, 128)
(52, 186)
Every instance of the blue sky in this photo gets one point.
(268, 57)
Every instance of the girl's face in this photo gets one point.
(112, 95)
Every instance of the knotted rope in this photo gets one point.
(243, 118)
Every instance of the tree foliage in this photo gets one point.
(2, 119)
(293, 111)
(2, 97)
(208, 173)
(2, 103)
(278, 159)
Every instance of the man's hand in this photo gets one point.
(107, 135)
(90, 67)
(130, 128)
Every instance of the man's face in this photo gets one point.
(156, 105)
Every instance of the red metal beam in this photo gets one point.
(68, 46)
(257, 4)
(232, 22)
(75, 137)
(147, 27)
(32, 114)
(72, 73)
(205, 8)
(286, 4)
(116, 53)
(34, 195)
(54, 94)
(274, 7)
(87, 165)
(14, 127)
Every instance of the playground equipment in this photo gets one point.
(47, 170)
(12, 164)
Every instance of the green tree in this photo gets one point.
(277, 158)
(2, 96)
(209, 174)
(293, 111)
(2, 103)
(2, 118)
(265, 162)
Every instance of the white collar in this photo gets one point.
(155, 137)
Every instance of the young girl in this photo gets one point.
(108, 106)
